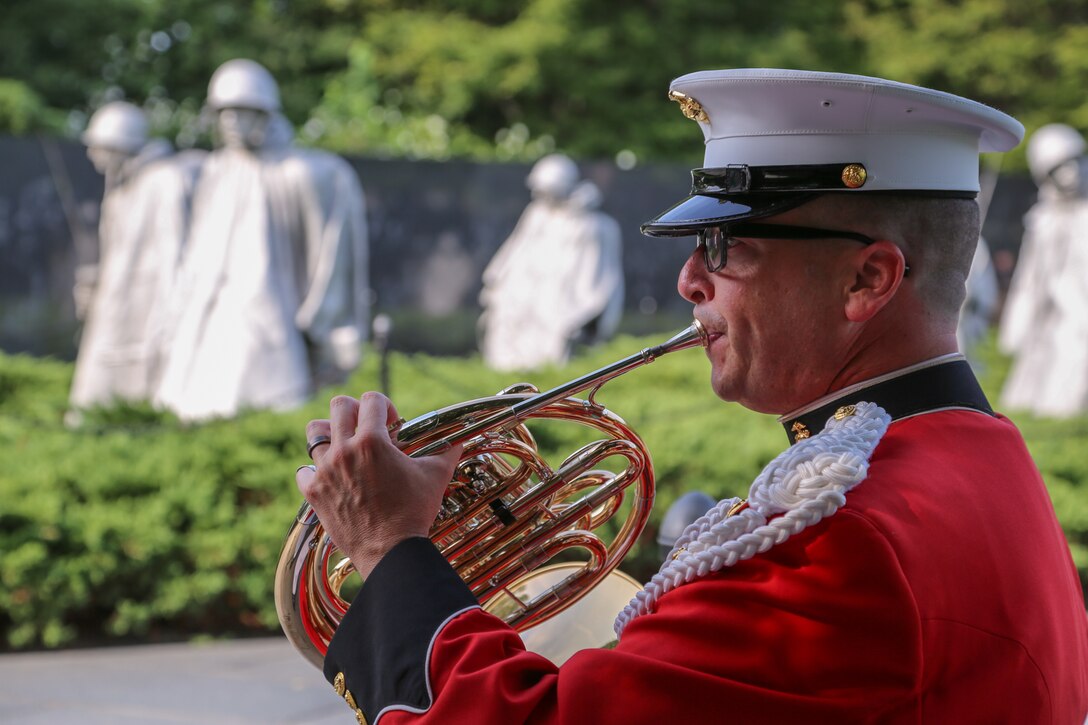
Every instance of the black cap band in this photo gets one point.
(738, 191)
(744, 179)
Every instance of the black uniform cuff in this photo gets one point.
(382, 643)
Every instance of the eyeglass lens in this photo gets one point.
(712, 240)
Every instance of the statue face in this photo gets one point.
(106, 161)
(1069, 176)
(242, 128)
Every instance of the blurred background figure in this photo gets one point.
(980, 304)
(142, 228)
(683, 512)
(1045, 321)
(274, 298)
(557, 281)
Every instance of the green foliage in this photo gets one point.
(513, 80)
(134, 525)
(21, 109)
(1025, 57)
(585, 76)
(1057, 446)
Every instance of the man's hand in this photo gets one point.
(369, 495)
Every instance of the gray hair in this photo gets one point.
(938, 237)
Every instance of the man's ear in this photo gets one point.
(878, 271)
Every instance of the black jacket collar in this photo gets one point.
(938, 384)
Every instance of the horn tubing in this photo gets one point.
(308, 599)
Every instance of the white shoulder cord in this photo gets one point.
(808, 481)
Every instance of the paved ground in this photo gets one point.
(246, 682)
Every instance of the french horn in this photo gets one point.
(506, 513)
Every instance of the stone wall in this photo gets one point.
(433, 228)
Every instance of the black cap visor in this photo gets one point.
(699, 211)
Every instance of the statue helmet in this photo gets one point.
(554, 176)
(243, 83)
(684, 511)
(118, 126)
(1050, 147)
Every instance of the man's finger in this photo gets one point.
(343, 414)
(376, 414)
(449, 457)
(318, 436)
(304, 478)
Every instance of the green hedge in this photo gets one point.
(136, 527)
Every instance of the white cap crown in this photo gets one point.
(907, 137)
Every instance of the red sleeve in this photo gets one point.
(821, 628)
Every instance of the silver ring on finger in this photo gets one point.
(314, 443)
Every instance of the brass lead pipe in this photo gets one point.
(689, 337)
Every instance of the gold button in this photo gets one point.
(846, 411)
(338, 684)
(854, 175)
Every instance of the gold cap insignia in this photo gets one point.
(846, 411)
(854, 175)
(338, 684)
(690, 107)
(800, 431)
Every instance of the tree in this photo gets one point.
(1025, 57)
(490, 79)
(586, 76)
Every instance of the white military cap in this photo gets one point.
(776, 138)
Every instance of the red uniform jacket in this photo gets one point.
(942, 592)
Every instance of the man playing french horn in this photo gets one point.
(899, 562)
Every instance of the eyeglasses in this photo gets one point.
(716, 241)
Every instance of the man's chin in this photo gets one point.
(750, 400)
(727, 390)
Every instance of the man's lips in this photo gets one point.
(712, 334)
(711, 338)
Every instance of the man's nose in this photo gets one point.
(694, 283)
